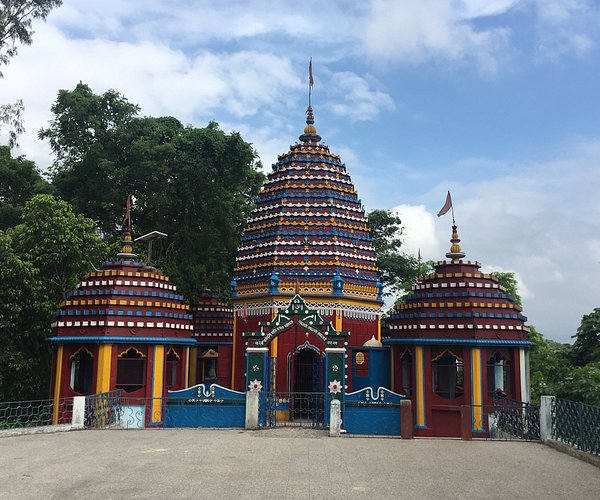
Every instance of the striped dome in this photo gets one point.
(308, 231)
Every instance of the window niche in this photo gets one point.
(131, 370)
(407, 373)
(82, 365)
(448, 375)
(172, 369)
(499, 381)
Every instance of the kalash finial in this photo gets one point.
(310, 131)
(127, 243)
(455, 252)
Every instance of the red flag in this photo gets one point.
(419, 257)
(447, 206)
(311, 82)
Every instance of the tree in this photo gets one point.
(16, 17)
(398, 271)
(509, 282)
(19, 181)
(40, 259)
(58, 243)
(586, 348)
(195, 184)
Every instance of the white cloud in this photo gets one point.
(358, 100)
(417, 31)
(419, 231)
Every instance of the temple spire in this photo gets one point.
(310, 131)
(455, 252)
(127, 243)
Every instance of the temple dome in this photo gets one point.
(126, 297)
(308, 227)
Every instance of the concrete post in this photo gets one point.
(77, 418)
(406, 420)
(546, 417)
(335, 418)
(252, 409)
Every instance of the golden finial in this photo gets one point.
(455, 252)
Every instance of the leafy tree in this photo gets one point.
(58, 243)
(11, 119)
(583, 384)
(195, 184)
(40, 259)
(587, 339)
(509, 282)
(16, 17)
(398, 271)
(19, 181)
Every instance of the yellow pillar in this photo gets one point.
(57, 380)
(379, 327)
(157, 384)
(193, 366)
(420, 382)
(103, 373)
(338, 320)
(476, 388)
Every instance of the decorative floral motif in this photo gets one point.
(335, 387)
(255, 385)
(255, 368)
(335, 368)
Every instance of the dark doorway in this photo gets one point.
(307, 398)
(307, 371)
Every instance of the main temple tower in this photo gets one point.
(307, 238)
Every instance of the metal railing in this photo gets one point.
(576, 424)
(103, 410)
(507, 419)
(298, 409)
(35, 413)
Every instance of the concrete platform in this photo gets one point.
(282, 463)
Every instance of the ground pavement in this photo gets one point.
(282, 463)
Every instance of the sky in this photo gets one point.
(497, 101)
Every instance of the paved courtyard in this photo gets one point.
(282, 463)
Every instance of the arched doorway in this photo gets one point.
(307, 373)
(306, 397)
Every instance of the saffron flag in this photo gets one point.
(447, 206)
(311, 82)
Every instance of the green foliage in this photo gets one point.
(19, 181)
(11, 119)
(195, 184)
(16, 17)
(509, 282)
(587, 339)
(583, 384)
(398, 271)
(58, 243)
(40, 260)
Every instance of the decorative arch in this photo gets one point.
(296, 313)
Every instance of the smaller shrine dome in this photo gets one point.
(457, 300)
(212, 318)
(126, 297)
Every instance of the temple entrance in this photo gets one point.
(307, 375)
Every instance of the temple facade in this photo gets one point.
(305, 315)
(123, 327)
(307, 236)
(457, 340)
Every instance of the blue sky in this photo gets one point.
(496, 100)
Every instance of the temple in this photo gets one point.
(305, 315)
